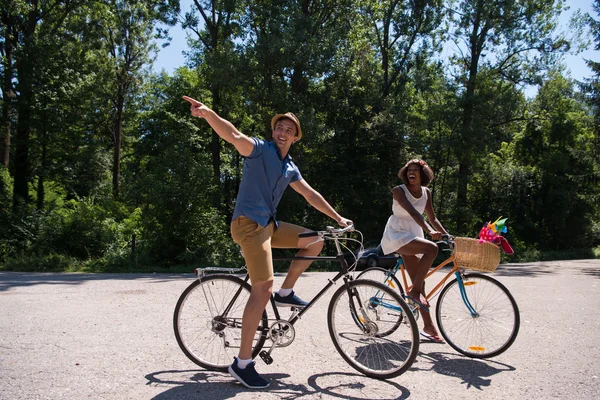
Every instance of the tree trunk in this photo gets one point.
(118, 131)
(299, 83)
(41, 193)
(465, 152)
(215, 148)
(24, 102)
(8, 96)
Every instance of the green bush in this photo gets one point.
(46, 263)
(84, 229)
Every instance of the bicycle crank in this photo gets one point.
(282, 333)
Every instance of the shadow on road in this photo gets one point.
(10, 280)
(545, 268)
(194, 384)
(472, 372)
(529, 270)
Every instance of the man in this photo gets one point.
(268, 170)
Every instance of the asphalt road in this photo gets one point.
(105, 336)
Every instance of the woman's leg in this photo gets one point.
(411, 265)
(429, 251)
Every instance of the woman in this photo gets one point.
(404, 234)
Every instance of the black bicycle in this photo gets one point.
(370, 324)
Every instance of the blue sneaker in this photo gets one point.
(248, 376)
(291, 300)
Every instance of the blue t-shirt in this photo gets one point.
(265, 178)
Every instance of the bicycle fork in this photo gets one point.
(463, 294)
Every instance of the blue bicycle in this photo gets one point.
(476, 314)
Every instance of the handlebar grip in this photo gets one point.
(308, 234)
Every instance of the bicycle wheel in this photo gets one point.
(208, 321)
(490, 329)
(382, 275)
(358, 313)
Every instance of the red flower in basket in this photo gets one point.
(486, 235)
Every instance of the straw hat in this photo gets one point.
(290, 116)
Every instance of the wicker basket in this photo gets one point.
(470, 254)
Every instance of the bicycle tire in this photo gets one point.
(495, 327)
(379, 274)
(375, 355)
(205, 335)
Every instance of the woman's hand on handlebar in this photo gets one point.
(435, 235)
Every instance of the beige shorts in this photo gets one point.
(257, 241)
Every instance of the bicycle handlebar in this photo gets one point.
(330, 230)
(446, 239)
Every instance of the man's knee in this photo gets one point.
(313, 245)
(317, 247)
(262, 290)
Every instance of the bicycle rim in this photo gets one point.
(373, 329)
(494, 327)
(379, 274)
(207, 321)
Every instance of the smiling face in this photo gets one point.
(413, 174)
(416, 172)
(284, 134)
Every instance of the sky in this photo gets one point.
(171, 57)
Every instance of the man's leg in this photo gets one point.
(259, 297)
(255, 242)
(286, 236)
(307, 247)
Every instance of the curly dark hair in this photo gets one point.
(426, 172)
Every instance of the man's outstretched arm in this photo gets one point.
(316, 200)
(225, 129)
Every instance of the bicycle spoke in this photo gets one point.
(208, 318)
(494, 326)
(375, 337)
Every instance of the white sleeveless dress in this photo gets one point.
(401, 228)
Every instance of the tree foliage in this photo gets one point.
(101, 162)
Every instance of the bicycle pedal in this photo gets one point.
(266, 357)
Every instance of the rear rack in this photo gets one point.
(200, 272)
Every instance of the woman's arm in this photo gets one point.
(431, 214)
(400, 197)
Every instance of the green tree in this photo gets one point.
(170, 175)
(25, 26)
(128, 34)
(216, 26)
(512, 40)
(405, 33)
(559, 210)
(591, 87)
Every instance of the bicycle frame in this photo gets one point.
(455, 270)
(370, 316)
(344, 272)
